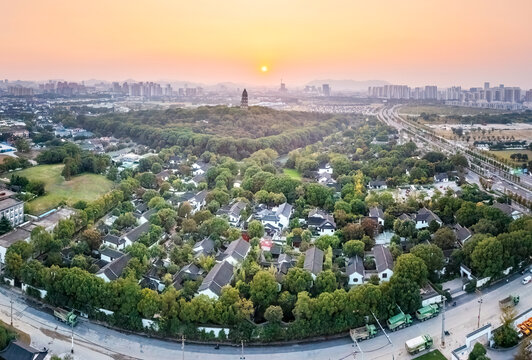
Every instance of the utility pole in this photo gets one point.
(11, 301)
(72, 348)
(443, 324)
(242, 357)
(359, 349)
(390, 340)
(183, 347)
(479, 307)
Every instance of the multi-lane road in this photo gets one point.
(423, 139)
(95, 342)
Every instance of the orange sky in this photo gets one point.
(451, 42)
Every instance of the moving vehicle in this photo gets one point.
(526, 280)
(363, 333)
(418, 344)
(427, 312)
(68, 317)
(509, 301)
(399, 321)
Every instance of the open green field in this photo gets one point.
(444, 110)
(293, 173)
(86, 187)
(505, 154)
(433, 355)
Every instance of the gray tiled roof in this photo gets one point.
(313, 260)
(238, 249)
(219, 276)
(426, 215)
(376, 212)
(383, 258)
(137, 232)
(114, 269)
(355, 264)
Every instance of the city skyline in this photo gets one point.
(408, 43)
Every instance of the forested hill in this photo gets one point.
(228, 131)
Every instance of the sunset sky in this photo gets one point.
(401, 41)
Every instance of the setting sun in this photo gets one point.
(264, 68)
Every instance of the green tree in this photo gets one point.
(297, 280)
(412, 268)
(445, 238)
(149, 304)
(431, 255)
(92, 237)
(487, 258)
(478, 353)
(263, 289)
(5, 225)
(353, 247)
(273, 314)
(324, 241)
(255, 229)
(326, 282)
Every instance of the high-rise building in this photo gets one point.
(528, 96)
(244, 101)
(486, 85)
(326, 90)
(431, 92)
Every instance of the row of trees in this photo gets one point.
(161, 129)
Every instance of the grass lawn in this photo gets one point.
(293, 173)
(82, 187)
(505, 154)
(433, 355)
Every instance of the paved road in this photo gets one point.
(99, 343)
(390, 116)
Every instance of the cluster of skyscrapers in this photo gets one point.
(152, 89)
(500, 97)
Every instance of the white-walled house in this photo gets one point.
(321, 221)
(355, 270)
(383, 262)
(236, 252)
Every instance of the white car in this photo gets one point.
(526, 280)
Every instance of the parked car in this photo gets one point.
(526, 279)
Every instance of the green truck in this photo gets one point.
(427, 312)
(363, 333)
(68, 317)
(418, 344)
(399, 321)
(509, 301)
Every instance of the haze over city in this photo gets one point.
(407, 42)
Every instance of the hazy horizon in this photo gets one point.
(410, 42)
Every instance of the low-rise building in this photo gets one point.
(321, 221)
(377, 185)
(383, 262)
(219, 276)
(355, 270)
(313, 261)
(236, 252)
(114, 269)
(377, 214)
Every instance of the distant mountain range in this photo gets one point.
(348, 85)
